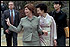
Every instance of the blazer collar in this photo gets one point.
(33, 17)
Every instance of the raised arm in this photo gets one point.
(13, 28)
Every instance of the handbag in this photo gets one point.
(67, 31)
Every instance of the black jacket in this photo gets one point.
(61, 21)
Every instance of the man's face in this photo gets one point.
(11, 5)
(57, 6)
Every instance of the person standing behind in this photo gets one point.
(47, 23)
(14, 20)
(61, 22)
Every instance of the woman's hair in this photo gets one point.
(42, 6)
(32, 8)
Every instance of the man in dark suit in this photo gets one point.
(13, 15)
(61, 22)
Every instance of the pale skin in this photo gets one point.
(29, 14)
(42, 13)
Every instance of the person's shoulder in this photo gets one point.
(35, 17)
(16, 10)
(51, 12)
(23, 18)
(39, 16)
(63, 13)
(6, 11)
(49, 16)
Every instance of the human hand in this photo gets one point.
(55, 43)
(45, 32)
(7, 31)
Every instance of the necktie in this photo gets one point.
(11, 17)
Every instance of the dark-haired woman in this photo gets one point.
(47, 23)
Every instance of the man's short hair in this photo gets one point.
(57, 2)
(11, 2)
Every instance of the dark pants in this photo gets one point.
(9, 39)
(61, 41)
(61, 38)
